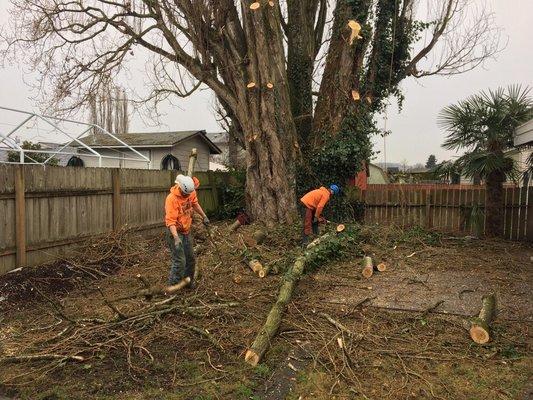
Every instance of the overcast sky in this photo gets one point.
(415, 134)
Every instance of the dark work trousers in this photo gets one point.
(183, 261)
(310, 223)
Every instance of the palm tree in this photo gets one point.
(483, 125)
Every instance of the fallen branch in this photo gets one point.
(206, 334)
(41, 357)
(269, 329)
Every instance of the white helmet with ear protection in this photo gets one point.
(185, 183)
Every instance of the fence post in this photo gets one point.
(20, 216)
(117, 206)
(429, 220)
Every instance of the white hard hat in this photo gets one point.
(185, 183)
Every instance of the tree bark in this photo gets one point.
(342, 71)
(480, 326)
(302, 49)
(266, 119)
(494, 204)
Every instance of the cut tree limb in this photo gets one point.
(480, 326)
(192, 161)
(273, 321)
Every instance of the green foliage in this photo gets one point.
(31, 158)
(232, 195)
(338, 161)
(335, 247)
(419, 234)
(262, 370)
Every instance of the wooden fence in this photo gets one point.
(451, 208)
(44, 212)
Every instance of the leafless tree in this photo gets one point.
(260, 58)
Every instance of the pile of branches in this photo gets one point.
(96, 259)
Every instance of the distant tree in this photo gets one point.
(484, 126)
(431, 162)
(31, 157)
(109, 110)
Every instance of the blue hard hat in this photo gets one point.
(335, 189)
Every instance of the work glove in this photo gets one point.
(206, 220)
(177, 242)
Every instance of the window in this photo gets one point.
(75, 161)
(170, 162)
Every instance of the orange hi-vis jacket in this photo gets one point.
(179, 209)
(316, 200)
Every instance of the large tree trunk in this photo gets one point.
(264, 113)
(494, 204)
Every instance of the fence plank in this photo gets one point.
(20, 216)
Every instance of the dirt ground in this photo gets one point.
(403, 335)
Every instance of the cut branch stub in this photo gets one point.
(355, 95)
(250, 85)
(340, 228)
(255, 5)
(355, 28)
(368, 267)
(270, 85)
(480, 326)
(271, 3)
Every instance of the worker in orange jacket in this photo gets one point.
(314, 202)
(180, 205)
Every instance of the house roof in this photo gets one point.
(147, 139)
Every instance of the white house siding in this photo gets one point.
(181, 151)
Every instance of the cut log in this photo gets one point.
(480, 326)
(368, 267)
(235, 226)
(255, 265)
(270, 85)
(269, 329)
(255, 5)
(259, 236)
(355, 95)
(340, 228)
(251, 85)
(264, 271)
(381, 267)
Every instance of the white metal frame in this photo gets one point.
(14, 146)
